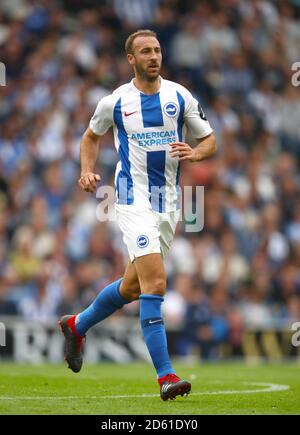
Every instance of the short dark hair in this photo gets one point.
(131, 38)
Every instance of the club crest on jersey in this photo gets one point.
(142, 241)
(171, 109)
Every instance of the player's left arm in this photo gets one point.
(197, 124)
(206, 147)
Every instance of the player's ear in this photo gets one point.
(130, 58)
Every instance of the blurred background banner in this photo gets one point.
(31, 342)
(234, 287)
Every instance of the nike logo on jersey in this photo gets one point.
(154, 321)
(128, 114)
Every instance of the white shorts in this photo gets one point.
(146, 231)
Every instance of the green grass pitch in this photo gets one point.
(228, 388)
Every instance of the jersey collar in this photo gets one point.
(140, 92)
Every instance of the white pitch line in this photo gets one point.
(267, 388)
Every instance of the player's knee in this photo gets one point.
(131, 293)
(156, 287)
(135, 294)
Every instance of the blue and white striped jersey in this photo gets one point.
(144, 126)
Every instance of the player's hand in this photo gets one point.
(183, 151)
(88, 180)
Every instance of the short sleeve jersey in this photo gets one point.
(144, 126)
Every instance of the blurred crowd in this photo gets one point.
(243, 269)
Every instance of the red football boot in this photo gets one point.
(73, 343)
(172, 386)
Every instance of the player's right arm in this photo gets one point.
(89, 148)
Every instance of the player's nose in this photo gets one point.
(154, 55)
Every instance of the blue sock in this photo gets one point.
(154, 333)
(107, 302)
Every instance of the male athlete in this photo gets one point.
(149, 117)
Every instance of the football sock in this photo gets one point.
(107, 302)
(154, 333)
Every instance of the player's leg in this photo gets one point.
(147, 235)
(111, 298)
(151, 273)
(130, 285)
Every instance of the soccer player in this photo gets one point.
(150, 117)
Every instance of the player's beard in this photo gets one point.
(145, 75)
